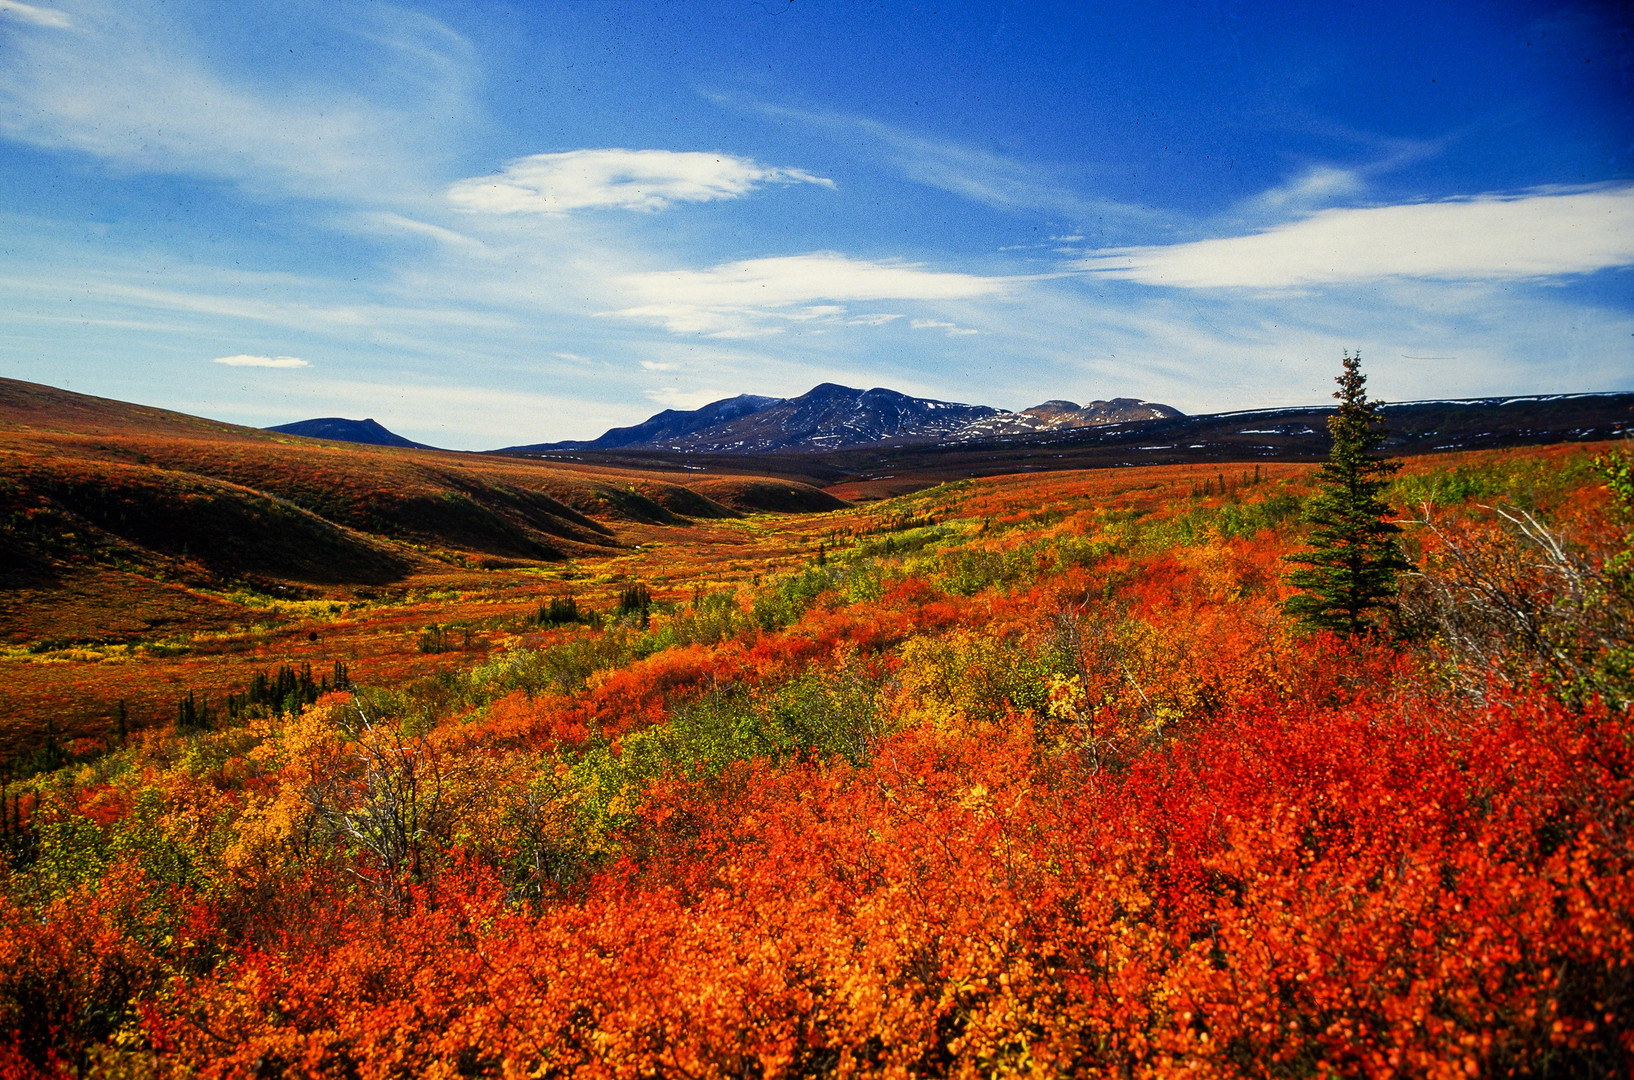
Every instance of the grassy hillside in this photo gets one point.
(98, 487)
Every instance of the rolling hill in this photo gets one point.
(111, 501)
(339, 429)
(97, 494)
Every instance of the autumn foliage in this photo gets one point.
(1048, 785)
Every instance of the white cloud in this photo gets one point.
(1486, 238)
(1236, 349)
(817, 311)
(224, 296)
(36, 16)
(749, 298)
(654, 365)
(243, 360)
(1316, 185)
(627, 179)
(673, 397)
(953, 329)
(396, 224)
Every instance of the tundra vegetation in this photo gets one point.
(1031, 775)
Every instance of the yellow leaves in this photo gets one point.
(311, 735)
(976, 799)
(1218, 574)
(266, 826)
(1067, 697)
(967, 679)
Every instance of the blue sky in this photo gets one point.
(485, 224)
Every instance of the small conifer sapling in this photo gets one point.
(1347, 580)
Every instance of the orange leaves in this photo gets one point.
(70, 970)
(1103, 815)
(1292, 887)
(543, 722)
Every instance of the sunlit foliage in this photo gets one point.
(1027, 776)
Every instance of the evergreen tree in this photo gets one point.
(1348, 578)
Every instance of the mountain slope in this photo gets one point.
(339, 429)
(661, 428)
(184, 526)
(831, 415)
(27, 407)
(1294, 433)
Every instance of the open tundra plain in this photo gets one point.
(330, 759)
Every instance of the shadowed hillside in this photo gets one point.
(339, 429)
(98, 495)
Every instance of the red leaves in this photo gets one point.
(1127, 825)
(1374, 892)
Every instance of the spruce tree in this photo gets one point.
(1347, 581)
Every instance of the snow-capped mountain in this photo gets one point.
(1058, 415)
(830, 416)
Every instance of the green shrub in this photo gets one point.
(787, 599)
(1228, 521)
(967, 571)
(712, 618)
(560, 668)
(1531, 483)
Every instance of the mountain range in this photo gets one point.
(837, 434)
(830, 416)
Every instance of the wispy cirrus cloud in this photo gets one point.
(1309, 190)
(953, 329)
(754, 296)
(645, 180)
(133, 84)
(248, 360)
(975, 173)
(390, 224)
(1484, 238)
(36, 16)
